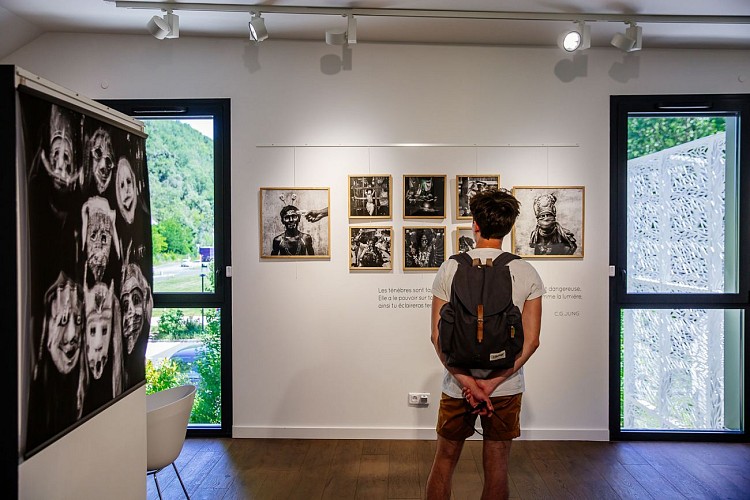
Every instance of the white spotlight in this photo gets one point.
(348, 37)
(631, 40)
(158, 27)
(257, 26)
(575, 39)
(166, 27)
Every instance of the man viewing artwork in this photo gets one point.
(494, 396)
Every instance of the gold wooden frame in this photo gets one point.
(441, 202)
(572, 222)
(375, 228)
(404, 250)
(457, 191)
(264, 192)
(389, 178)
(456, 248)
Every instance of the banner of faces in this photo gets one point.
(89, 266)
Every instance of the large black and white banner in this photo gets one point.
(89, 275)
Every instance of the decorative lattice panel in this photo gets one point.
(673, 373)
(674, 369)
(676, 219)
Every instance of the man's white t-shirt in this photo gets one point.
(527, 285)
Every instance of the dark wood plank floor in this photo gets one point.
(375, 469)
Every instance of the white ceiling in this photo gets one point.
(101, 16)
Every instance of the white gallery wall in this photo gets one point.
(314, 355)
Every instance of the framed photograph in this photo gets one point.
(424, 247)
(424, 196)
(551, 222)
(469, 185)
(464, 239)
(294, 223)
(370, 196)
(370, 248)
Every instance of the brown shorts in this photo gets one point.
(456, 422)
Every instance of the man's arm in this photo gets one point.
(532, 324)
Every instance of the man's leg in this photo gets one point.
(495, 455)
(441, 474)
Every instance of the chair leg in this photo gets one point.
(181, 483)
(158, 490)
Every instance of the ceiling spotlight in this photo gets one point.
(257, 26)
(166, 27)
(575, 39)
(348, 37)
(631, 40)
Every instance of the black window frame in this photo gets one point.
(621, 107)
(219, 109)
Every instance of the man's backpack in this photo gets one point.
(481, 327)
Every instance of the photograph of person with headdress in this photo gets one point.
(551, 222)
(294, 223)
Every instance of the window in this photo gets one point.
(680, 292)
(187, 153)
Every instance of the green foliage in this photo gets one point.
(177, 236)
(207, 407)
(174, 325)
(648, 135)
(167, 375)
(158, 241)
(181, 170)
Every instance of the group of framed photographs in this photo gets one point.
(295, 224)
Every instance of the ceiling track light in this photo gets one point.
(348, 37)
(166, 27)
(631, 40)
(578, 38)
(257, 27)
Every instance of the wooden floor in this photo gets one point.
(385, 469)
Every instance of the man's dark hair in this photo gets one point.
(495, 211)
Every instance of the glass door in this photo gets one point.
(679, 296)
(187, 154)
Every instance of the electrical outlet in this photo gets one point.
(419, 398)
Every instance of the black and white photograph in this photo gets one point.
(370, 248)
(370, 196)
(551, 222)
(89, 273)
(469, 185)
(294, 223)
(424, 247)
(464, 239)
(424, 196)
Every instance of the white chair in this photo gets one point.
(167, 415)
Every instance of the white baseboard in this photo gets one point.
(240, 431)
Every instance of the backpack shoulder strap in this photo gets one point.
(462, 258)
(504, 259)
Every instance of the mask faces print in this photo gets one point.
(64, 323)
(126, 190)
(98, 333)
